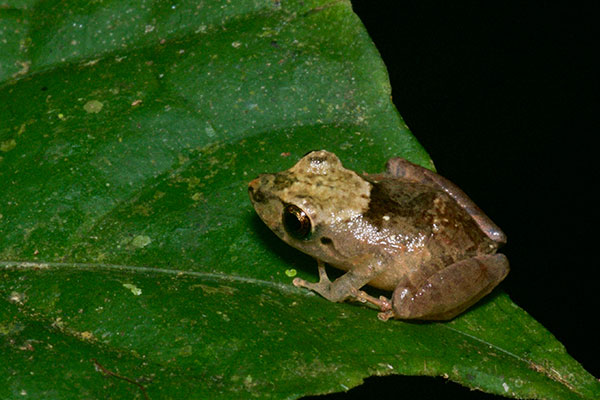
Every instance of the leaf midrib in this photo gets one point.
(286, 288)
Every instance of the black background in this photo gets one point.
(502, 97)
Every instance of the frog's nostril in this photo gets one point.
(255, 194)
(253, 185)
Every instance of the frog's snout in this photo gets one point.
(253, 185)
(253, 191)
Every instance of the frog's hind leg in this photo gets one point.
(451, 290)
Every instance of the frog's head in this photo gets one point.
(308, 203)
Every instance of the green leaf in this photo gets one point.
(132, 263)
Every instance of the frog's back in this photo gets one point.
(446, 232)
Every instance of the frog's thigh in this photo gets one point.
(451, 290)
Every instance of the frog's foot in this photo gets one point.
(323, 280)
(346, 286)
(320, 287)
(384, 316)
(383, 303)
(323, 287)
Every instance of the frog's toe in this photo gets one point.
(325, 289)
(321, 288)
(384, 316)
(383, 303)
(298, 282)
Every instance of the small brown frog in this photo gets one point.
(407, 230)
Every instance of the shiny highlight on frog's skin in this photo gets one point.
(408, 230)
(366, 231)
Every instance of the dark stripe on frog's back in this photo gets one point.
(412, 209)
(402, 201)
(411, 204)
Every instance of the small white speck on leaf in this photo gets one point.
(93, 106)
(505, 386)
(209, 130)
(25, 65)
(17, 297)
(197, 196)
(87, 335)
(141, 241)
(8, 145)
(134, 289)
(224, 316)
(388, 366)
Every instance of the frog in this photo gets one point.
(408, 231)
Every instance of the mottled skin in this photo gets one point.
(407, 230)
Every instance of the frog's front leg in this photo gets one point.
(449, 291)
(347, 285)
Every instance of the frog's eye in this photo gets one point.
(296, 222)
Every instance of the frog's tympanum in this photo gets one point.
(407, 230)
